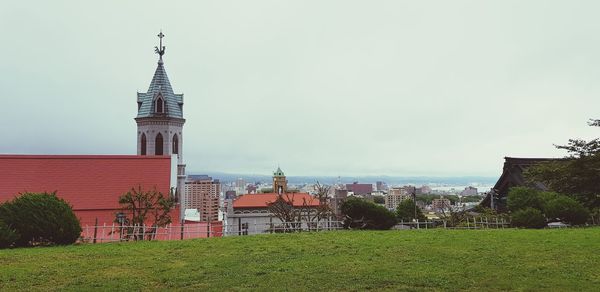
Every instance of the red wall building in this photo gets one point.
(92, 184)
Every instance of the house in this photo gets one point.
(250, 214)
(91, 184)
(512, 176)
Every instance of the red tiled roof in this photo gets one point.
(262, 200)
(87, 182)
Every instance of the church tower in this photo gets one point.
(279, 182)
(160, 119)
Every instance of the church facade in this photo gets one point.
(160, 120)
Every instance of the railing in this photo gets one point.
(250, 228)
(115, 232)
(468, 223)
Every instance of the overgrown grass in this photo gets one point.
(566, 259)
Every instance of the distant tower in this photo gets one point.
(160, 119)
(279, 182)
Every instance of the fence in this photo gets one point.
(255, 227)
(468, 223)
(115, 232)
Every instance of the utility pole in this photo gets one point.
(414, 193)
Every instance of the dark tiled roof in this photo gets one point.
(512, 176)
(160, 85)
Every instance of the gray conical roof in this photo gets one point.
(160, 85)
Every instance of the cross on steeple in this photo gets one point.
(160, 50)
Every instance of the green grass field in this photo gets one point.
(567, 260)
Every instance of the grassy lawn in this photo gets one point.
(567, 260)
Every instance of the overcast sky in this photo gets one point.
(319, 87)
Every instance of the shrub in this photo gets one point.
(8, 236)
(361, 214)
(522, 198)
(528, 218)
(41, 219)
(567, 210)
(406, 211)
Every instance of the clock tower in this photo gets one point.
(279, 182)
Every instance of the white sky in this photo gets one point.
(319, 87)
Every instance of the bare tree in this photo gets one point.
(311, 210)
(141, 207)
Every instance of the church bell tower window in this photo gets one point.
(143, 144)
(175, 144)
(158, 145)
(160, 105)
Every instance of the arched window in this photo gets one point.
(160, 105)
(175, 144)
(158, 145)
(143, 144)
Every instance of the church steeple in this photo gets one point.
(160, 118)
(160, 99)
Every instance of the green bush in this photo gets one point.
(522, 198)
(406, 211)
(567, 210)
(8, 236)
(528, 218)
(361, 214)
(41, 219)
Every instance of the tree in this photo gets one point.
(379, 200)
(406, 211)
(40, 219)
(361, 214)
(528, 218)
(8, 236)
(566, 209)
(310, 212)
(523, 197)
(145, 207)
(577, 174)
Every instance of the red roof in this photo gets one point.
(87, 182)
(262, 200)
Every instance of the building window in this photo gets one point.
(160, 105)
(175, 144)
(143, 144)
(158, 145)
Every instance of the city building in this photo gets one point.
(469, 191)
(92, 184)
(240, 184)
(251, 189)
(381, 186)
(279, 182)
(360, 189)
(231, 194)
(160, 119)
(440, 204)
(202, 193)
(423, 190)
(396, 195)
(336, 202)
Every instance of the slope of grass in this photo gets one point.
(567, 259)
